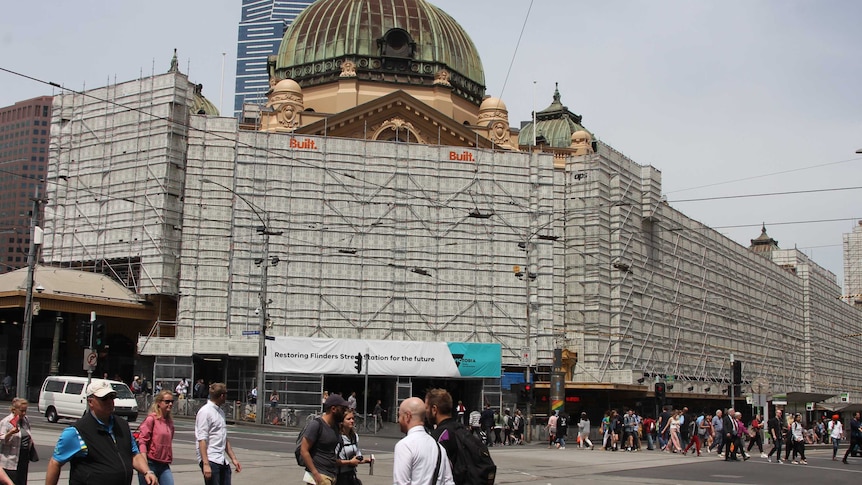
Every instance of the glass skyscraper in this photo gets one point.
(260, 30)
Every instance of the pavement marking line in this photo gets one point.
(728, 476)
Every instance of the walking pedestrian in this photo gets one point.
(99, 446)
(320, 441)
(213, 447)
(17, 448)
(775, 428)
(551, 427)
(797, 430)
(584, 432)
(562, 429)
(418, 458)
(718, 432)
(156, 437)
(349, 455)
(836, 433)
(855, 434)
(755, 432)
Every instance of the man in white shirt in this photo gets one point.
(211, 435)
(418, 457)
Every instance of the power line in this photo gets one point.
(754, 177)
(765, 194)
(515, 52)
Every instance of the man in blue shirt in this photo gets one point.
(93, 442)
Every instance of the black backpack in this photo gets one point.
(298, 450)
(474, 465)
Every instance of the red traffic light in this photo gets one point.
(527, 387)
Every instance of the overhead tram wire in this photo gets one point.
(754, 177)
(515, 51)
(764, 194)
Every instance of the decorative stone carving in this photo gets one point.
(500, 134)
(348, 69)
(286, 116)
(442, 78)
(494, 115)
(582, 142)
(397, 125)
(285, 103)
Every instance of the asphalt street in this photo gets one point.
(266, 455)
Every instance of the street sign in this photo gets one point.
(91, 358)
(251, 332)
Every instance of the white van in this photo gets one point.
(66, 397)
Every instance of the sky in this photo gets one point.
(726, 98)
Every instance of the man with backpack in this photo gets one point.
(319, 441)
(471, 461)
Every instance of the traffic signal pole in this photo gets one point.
(90, 342)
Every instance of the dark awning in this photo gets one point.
(806, 396)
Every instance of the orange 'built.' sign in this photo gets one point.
(464, 156)
(306, 144)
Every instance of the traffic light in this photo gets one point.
(84, 334)
(736, 372)
(98, 334)
(358, 363)
(528, 392)
(519, 391)
(660, 390)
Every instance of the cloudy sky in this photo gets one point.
(726, 98)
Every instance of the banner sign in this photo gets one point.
(383, 357)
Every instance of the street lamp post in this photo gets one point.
(264, 262)
(24, 355)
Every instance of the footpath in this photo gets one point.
(530, 463)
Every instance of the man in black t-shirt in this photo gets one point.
(319, 441)
(775, 428)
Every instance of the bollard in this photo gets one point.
(371, 465)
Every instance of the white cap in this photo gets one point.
(100, 388)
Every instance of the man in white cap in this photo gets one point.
(319, 441)
(99, 445)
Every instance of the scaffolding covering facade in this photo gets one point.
(116, 174)
(853, 265)
(404, 241)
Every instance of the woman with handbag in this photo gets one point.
(17, 449)
(156, 438)
(755, 433)
(348, 454)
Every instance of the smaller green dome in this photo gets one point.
(555, 124)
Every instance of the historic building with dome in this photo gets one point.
(381, 196)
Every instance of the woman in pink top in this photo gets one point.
(156, 438)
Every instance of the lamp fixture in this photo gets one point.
(707, 389)
(690, 388)
(641, 380)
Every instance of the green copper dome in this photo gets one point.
(555, 124)
(394, 41)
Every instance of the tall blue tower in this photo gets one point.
(261, 28)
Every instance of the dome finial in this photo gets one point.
(175, 65)
(557, 93)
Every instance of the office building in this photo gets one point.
(261, 27)
(24, 137)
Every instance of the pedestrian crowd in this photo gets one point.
(443, 444)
